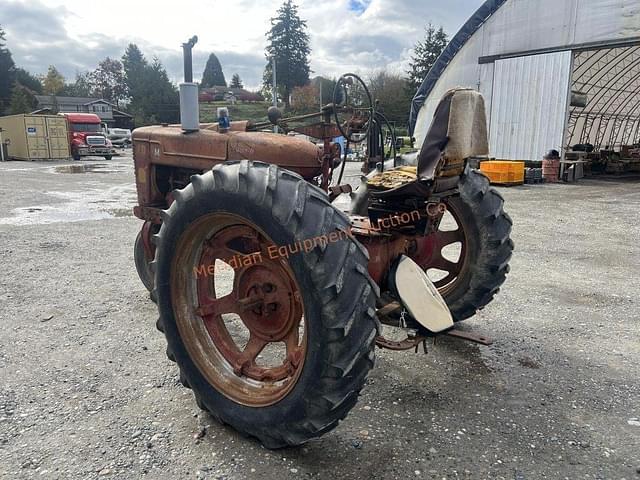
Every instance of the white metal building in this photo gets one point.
(527, 57)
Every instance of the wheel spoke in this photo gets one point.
(448, 237)
(444, 281)
(218, 306)
(247, 358)
(292, 341)
(442, 263)
(228, 304)
(254, 347)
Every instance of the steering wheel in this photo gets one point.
(352, 108)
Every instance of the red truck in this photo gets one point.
(86, 137)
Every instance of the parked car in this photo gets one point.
(120, 137)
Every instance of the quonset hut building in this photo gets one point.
(554, 73)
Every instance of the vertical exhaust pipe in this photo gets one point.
(189, 108)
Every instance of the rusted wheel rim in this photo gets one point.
(429, 253)
(265, 298)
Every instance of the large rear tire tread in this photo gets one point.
(344, 295)
(482, 206)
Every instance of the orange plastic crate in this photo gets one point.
(503, 172)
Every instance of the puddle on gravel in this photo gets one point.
(94, 204)
(87, 168)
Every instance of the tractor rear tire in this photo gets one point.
(488, 243)
(334, 293)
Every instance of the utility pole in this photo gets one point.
(275, 89)
(320, 81)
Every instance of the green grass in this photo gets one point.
(256, 112)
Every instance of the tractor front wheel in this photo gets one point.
(265, 302)
(143, 262)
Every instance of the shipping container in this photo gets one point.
(35, 137)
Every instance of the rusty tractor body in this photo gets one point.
(283, 354)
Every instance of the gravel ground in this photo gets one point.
(87, 392)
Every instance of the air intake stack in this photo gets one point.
(189, 108)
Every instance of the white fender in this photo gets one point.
(420, 296)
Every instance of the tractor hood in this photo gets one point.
(202, 149)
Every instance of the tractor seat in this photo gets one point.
(458, 131)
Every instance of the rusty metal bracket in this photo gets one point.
(413, 342)
(399, 346)
(150, 214)
(335, 192)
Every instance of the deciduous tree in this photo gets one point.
(326, 87)
(81, 87)
(305, 99)
(392, 93)
(289, 45)
(107, 81)
(53, 82)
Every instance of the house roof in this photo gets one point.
(120, 113)
(70, 100)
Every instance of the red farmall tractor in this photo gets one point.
(271, 298)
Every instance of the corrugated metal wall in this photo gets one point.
(529, 105)
(525, 25)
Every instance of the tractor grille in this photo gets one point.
(96, 140)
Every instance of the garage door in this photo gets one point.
(529, 105)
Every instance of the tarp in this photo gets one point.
(457, 42)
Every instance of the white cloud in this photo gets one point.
(346, 35)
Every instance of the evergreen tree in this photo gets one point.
(162, 102)
(425, 54)
(53, 82)
(22, 100)
(213, 75)
(7, 73)
(152, 96)
(236, 82)
(134, 65)
(289, 45)
(25, 79)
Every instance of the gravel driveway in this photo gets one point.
(86, 390)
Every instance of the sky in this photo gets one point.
(361, 36)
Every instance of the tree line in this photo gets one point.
(288, 44)
(143, 88)
(140, 85)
